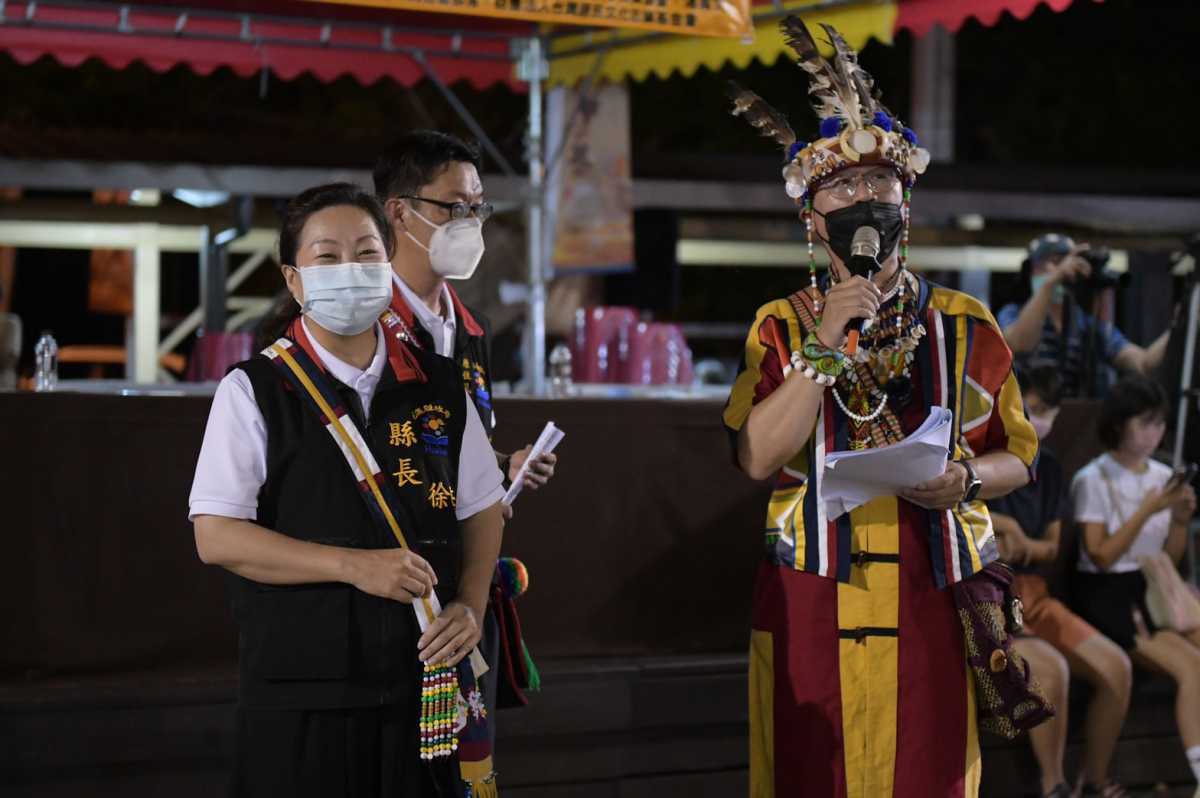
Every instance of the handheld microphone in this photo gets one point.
(864, 249)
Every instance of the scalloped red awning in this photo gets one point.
(333, 41)
(918, 16)
(328, 42)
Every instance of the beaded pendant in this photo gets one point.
(439, 711)
(887, 357)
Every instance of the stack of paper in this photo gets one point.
(551, 436)
(852, 479)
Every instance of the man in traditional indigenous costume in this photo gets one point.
(859, 681)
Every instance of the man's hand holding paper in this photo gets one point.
(941, 492)
(915, 465)
(532, 470)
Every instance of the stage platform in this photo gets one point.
(116, 672)
(616, 728)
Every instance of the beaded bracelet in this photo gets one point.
(817, 361)
(804, 367)
(823, 360)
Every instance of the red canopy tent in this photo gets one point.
(918, 16)
(288, 38)
(331, 40)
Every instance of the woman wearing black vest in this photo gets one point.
(330, 649)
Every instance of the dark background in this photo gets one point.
(1096, 99)
(1098, 87)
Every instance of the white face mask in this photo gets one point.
(455, 247)
(1036, 282)
(346, 298)
(1043, 422)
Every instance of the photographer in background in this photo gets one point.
(1057, 325)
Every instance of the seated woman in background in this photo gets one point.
(1127, 510)
(1058, 642)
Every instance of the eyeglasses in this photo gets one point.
(876, 182)
(459, 210)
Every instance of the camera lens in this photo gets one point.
(1098, 257)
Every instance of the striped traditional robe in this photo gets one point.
(859, 683)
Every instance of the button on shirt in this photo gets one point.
(442, 330)
(233, 457)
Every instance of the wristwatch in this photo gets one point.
(974, 483)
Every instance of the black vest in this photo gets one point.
(472, 357)
(331, 645)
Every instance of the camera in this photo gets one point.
(1101, 276)
(1086, 289)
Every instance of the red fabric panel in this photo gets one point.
(931, 711)
(150, 42)
(800, 611)
(919, 16)
(770, 333)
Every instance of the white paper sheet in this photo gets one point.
(550, 438)
(852, 479)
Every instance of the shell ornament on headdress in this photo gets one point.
(856, 129)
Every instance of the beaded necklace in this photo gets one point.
(882, 367)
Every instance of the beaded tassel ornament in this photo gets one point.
(905, 211)
(439, 711)
(812, 259)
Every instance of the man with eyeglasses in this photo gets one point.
(860, 681)
(876, 181)
(429, 184)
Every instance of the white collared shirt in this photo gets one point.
(441, 328)
(233, 457)
(1106, 492)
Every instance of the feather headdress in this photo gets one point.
(766, 119)
(856, 128)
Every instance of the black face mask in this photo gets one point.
(842, 224)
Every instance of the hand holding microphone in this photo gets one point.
(864, 254)
(849, 303)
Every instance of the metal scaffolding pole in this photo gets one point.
(142, 358)
(212, 282)
(1187, 395)
(533, 69)
(933, 58)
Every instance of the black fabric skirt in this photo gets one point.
(1108, 602)
(361, 752)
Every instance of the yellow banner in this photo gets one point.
(575, 57)
(727, 18)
